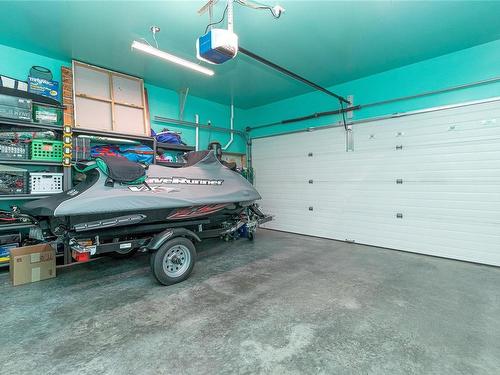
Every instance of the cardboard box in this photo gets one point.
(43, 87)
(32, 263)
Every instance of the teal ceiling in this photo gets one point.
(328, 42)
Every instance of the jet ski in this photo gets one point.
(122, 207)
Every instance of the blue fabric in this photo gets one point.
(139, 154)
(167, 136)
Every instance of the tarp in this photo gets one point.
(206, 182)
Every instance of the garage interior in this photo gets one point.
(233, 186)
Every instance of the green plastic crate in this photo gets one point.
(47, 115)
(44, 149)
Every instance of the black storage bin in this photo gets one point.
(16, 108)
(81, 149)
(13, 180)
(14, 151)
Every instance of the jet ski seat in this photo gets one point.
(117, 169)
(123, 170)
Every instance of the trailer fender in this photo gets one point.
(158, 240)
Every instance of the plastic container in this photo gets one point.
(46, 183)
(13, 180)
(81, 149)
(47, 115)
(14, 151)
(47, 150)
(15, 108)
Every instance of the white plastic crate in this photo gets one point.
(46, 183)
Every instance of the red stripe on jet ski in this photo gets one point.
(190, 212)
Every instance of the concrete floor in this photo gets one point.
(282, 304)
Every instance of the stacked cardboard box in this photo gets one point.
(29, 264)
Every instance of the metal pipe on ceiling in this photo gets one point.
(291, 74)
(303, 118)
(174, 121)
(384, 117)
(373, 104)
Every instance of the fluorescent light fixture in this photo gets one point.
(167, 56)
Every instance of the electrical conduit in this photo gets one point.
(231, 122)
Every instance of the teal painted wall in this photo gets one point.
(465, 66)
(16, 63)
(165, 103)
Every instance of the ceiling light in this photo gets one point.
(167, 56)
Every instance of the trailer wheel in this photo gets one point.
(173, 262)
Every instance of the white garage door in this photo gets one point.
(426, 182)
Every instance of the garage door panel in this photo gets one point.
(472, 254)
(477, 161)
(469, 173)
(410, 156)
(406, 204)
(367, 139)
(483, 212)
(380, 228)
(446, 190)
(444, 182)
(416, 132)
(489, 112)
(383, 235)
(311, 226)
(466, 216)
(469, 228)
(425, 204)
(413, 234)
(282, 178)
